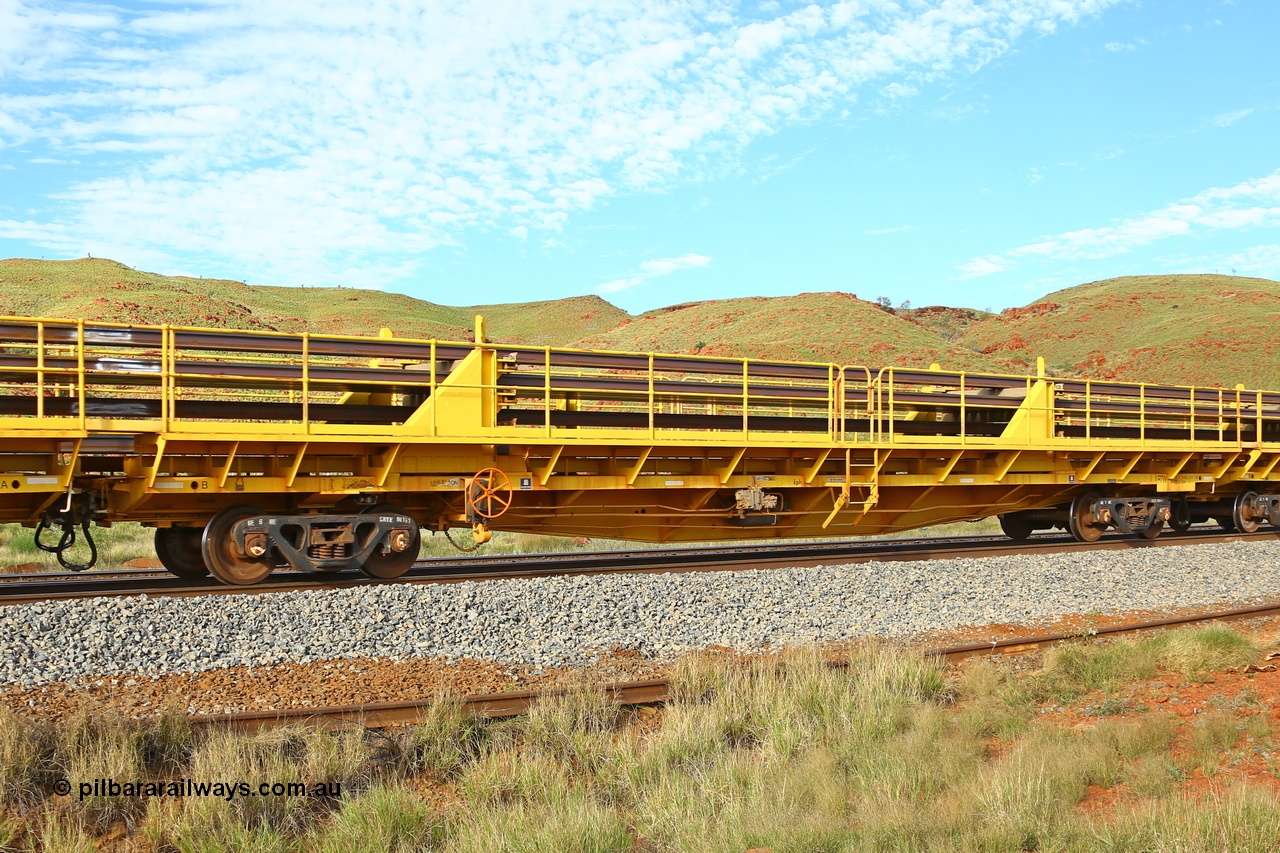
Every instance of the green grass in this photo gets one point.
(788, 753)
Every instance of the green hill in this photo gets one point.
(824, 327)
(1177, 329)
(100, 289)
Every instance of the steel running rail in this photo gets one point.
(655, 691)
(448, 570)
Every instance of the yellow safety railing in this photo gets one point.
(156, 373)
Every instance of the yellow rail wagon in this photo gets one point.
(248, 450)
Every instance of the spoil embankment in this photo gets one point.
(569, 621)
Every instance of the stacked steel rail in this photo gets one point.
(250, 449)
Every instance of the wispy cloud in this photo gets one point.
(1230, 118)
(654, 269)
(1248, 204)
(1261, 260)
(318, 140)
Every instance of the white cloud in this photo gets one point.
(1261, 261)
(1120, 46)
(310, 139)
(982, 266)
(1230, 118)
(654, 269)
(1254, 203)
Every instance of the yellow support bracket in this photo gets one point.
(225, 470)
(950, 466)
(1266, 474)
(812, 471)
(1097, 457)
(155, 467)
(1231, 460)
(389, 461)
(544, 473)
(727, 471)
(1128, 469)
(1177, 469)
(292, 473)
(1006, 463)
(634, 471)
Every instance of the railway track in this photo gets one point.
(62, 586)
(657, 691)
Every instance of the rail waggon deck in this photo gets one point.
(173, 427)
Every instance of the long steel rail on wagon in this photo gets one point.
(248, 449)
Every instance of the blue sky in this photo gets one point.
(952, 151)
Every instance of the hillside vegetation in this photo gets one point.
(1179, 329)
(825, 327)
(100, 289)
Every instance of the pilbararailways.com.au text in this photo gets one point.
(191, 788)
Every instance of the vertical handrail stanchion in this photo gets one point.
(889, 426)
(963, 419)
(84, 417)
(40, 369)
(1088, 413)
(746, 402)
(1142, 414)
(652, 402)
(1192, 408)
(1221, 418)
(1239, 419)
(841, 405)
(435, 404)
(164, 377)
(1257, 414)
(306, 382)
(546, 391)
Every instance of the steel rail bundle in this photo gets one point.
(252, 449)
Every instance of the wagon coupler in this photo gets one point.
(76, 512)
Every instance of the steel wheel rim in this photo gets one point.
(1079, 519)
(180, 551)
(1238, 520)
(219, 553)
(395, 564)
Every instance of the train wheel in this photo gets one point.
(1080, 520)
(1016, 526)
(1152, 531)
(1243, 501)
(226, 562)
(1180, 517)
(178, 549)
(395, 563)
